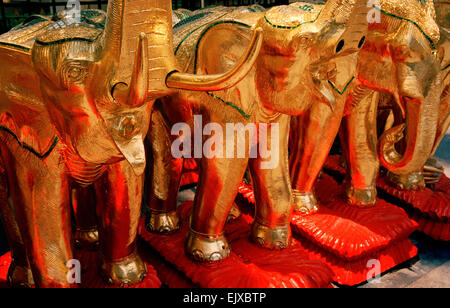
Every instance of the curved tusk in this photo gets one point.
(220, 81)
(139, 78)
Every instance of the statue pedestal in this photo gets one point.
(350, 240)
(248, 266)
(5, 260)
(430, 208)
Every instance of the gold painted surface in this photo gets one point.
(206, 248)
(305, 203)
(307, 61)
(411, 181)
(162, 222)
(126, 271)
(79, 99)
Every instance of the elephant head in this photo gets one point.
(301, 47)
(405, 64)
(99, 86)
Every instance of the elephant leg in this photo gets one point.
(273, 197)
(119, 195)
(314, 134)
(19, 273)
(165, 172)
(84, 205)
(216, 190)
(358, 136)
(41, 205)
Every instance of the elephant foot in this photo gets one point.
(432, 171)
(271, 237)
(361, 197)
(304, 203)
(124, 272)
(234, 213)
(411, 181)
(19, 276)
(86, 239)
(206, 248)
(161, 222)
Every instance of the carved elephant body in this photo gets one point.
(76, 99)
(399, 59)
(283, 82)
(443, 20)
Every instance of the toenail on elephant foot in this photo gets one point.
(127, 271)
(361, 197)
(278, 237)
(161, 222)
(86, 239)
(304, 202)
(411, 181)
(206, 248)
(19, 276)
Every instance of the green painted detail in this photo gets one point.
(189, 19)
(30, 21)
(196, 59)
(28, 147)
(89, 17)
(15, 46)
(408, 20)
(229, 104)
(345, 88)
(292, 27)
(189, 34)
(445, 68)
(306, 7)
(209, 28)
(70, 39)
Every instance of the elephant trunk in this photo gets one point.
(140, 68)
(135, 81)
(420, 126)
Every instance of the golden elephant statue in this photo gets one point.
(432, 170)
(294, 73)
(398, 68)
(76, 98)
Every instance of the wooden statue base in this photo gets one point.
(430, 208)
(248, 266)
(351, 240)
(90, 277)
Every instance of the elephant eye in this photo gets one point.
(74, 72)
(339, 46)
(361, 42)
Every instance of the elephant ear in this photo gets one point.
(22, 111)
(418, 13)
(220, 47)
